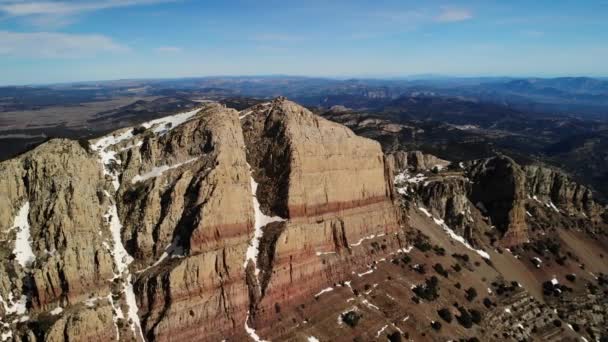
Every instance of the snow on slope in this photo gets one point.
(107, 157)
(452, 234)
(23, 244)
(159, 170)
(261, 220)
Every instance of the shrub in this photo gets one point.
(394, 337)
(436, 325)
(439, 250)
(464, 318)
(429, 290)
(445, 314)
(422, 245)
(475, 316)
(138, 130)
(351, 318)
(571, 277)
(463, 257)
(471, 294)
(440, 270)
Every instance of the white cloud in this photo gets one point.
(533, 33)
(26, 7)
(56, 45)
(169, 49)
(278, 37)
(451, 15)
(54, 14)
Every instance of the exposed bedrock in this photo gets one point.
(333, 189)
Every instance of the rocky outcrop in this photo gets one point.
(417, 161)
(331, 189)
(498, 189)
(553, 186)
(185, 202)
(51, 232)
(184, 228)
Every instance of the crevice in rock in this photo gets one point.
(339, 235)
(269, 154)
(268, 243)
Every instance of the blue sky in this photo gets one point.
(59, 41)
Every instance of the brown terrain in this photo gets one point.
(273, 223)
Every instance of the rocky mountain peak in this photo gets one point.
(271, 222)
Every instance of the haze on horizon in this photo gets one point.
(44, 41)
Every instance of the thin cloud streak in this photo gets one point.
(452, 15)
(27, 8)
(56, 45)
(169, 49)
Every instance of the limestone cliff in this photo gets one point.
(189, 227)
(330, 188)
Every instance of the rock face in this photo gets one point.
(553, 186)
(417, 161)
(499, 190)
(337, 196)
(190, 227)
(186, 206)
(51, 237)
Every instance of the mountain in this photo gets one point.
(273, 223)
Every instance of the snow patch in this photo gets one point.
(164, 125)
(369, 237)
(365, 273)
(325, 253)
(366, 302)
(552, 206)
(312, 339)
(381, 331)
(23, 245)
(452, 234)
(56, 311)
(426, 212)
(329, 289)
(159, 170)
(254, 336)
(12, 307)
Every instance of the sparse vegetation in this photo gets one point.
(440, 270)
(471, 294)
(464, 318)
(351, 318)
(436, 325)
(429, 290)
(445, 314)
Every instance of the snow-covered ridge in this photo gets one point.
(104, 145)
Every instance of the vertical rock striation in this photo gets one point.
(332, 189)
